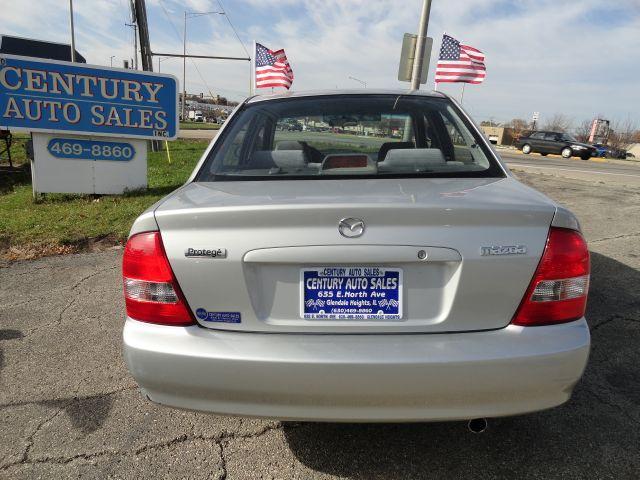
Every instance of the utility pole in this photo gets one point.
(73, 35)
(111, 59)
(420, 42)
(139, 17)
(143, 31)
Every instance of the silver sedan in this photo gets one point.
(376, 263)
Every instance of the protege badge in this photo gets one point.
(205, 253)
(503, 250)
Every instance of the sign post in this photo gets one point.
(407, 58)
(534, 119)
(82, 117)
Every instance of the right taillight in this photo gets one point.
(558, 291)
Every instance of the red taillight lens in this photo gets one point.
(558, 291)
(150, 289)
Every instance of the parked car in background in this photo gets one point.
(290, 125)
(555, 142)
(316, 276)
(607, 151)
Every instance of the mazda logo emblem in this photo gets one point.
(351, 227)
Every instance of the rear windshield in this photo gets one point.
(357, 136)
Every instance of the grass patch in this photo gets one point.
(199, 126)
(59, 220)
(18, 153)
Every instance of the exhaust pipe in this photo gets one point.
(477, 425)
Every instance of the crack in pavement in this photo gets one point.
(615, 316)
(71, 288)
(184, 438)
(223, 462)
(58, 321)
(624, 411)
(74, 398)
(30, 439)
(616, 237)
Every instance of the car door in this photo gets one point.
(551, 143)
(537, 141)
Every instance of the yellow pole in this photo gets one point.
(166, 144)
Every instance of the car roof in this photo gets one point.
(323, 93)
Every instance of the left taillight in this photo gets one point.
(151, 291)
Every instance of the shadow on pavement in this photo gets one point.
(8, 334)
(594, 435)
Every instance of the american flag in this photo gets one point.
(272, 68)
(459, 63)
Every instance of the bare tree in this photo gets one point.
(518, 125)
(583, 131)
(490, 123)
(558, 123)
(623, 133)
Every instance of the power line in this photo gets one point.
(233, 28)
(175, 30)
(177, 33)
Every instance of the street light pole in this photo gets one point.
(73, 35)
(111, 59)
(184, 65)
(135, 44)
(160, 60)
(420, 44)
(184, 53)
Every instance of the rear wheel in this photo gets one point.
(566, 152)
(585, 156)
(544, 154)
(526, 148)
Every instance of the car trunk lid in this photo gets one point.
(438, 237)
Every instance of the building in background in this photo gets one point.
(504, 136)
(28, 47)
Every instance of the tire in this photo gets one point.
(566, 152)
(586, 156)
(544, 154)
(526, 149)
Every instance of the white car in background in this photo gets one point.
(389, 268)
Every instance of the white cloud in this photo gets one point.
(574, 57)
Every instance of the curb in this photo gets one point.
(553, 155)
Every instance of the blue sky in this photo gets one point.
(576, 57)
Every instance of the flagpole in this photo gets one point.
(462, 95)
(252, 74)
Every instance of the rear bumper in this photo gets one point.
(418, 377)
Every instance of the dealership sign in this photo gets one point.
(53, 96)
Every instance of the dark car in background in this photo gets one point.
(555, 142)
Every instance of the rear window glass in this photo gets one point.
(349, 136)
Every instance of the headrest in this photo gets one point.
(289, 159)
(289, 145)
(415, 158)
(385, 147)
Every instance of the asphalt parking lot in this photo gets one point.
(68, 407)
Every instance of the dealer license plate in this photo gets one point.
(351, 293)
